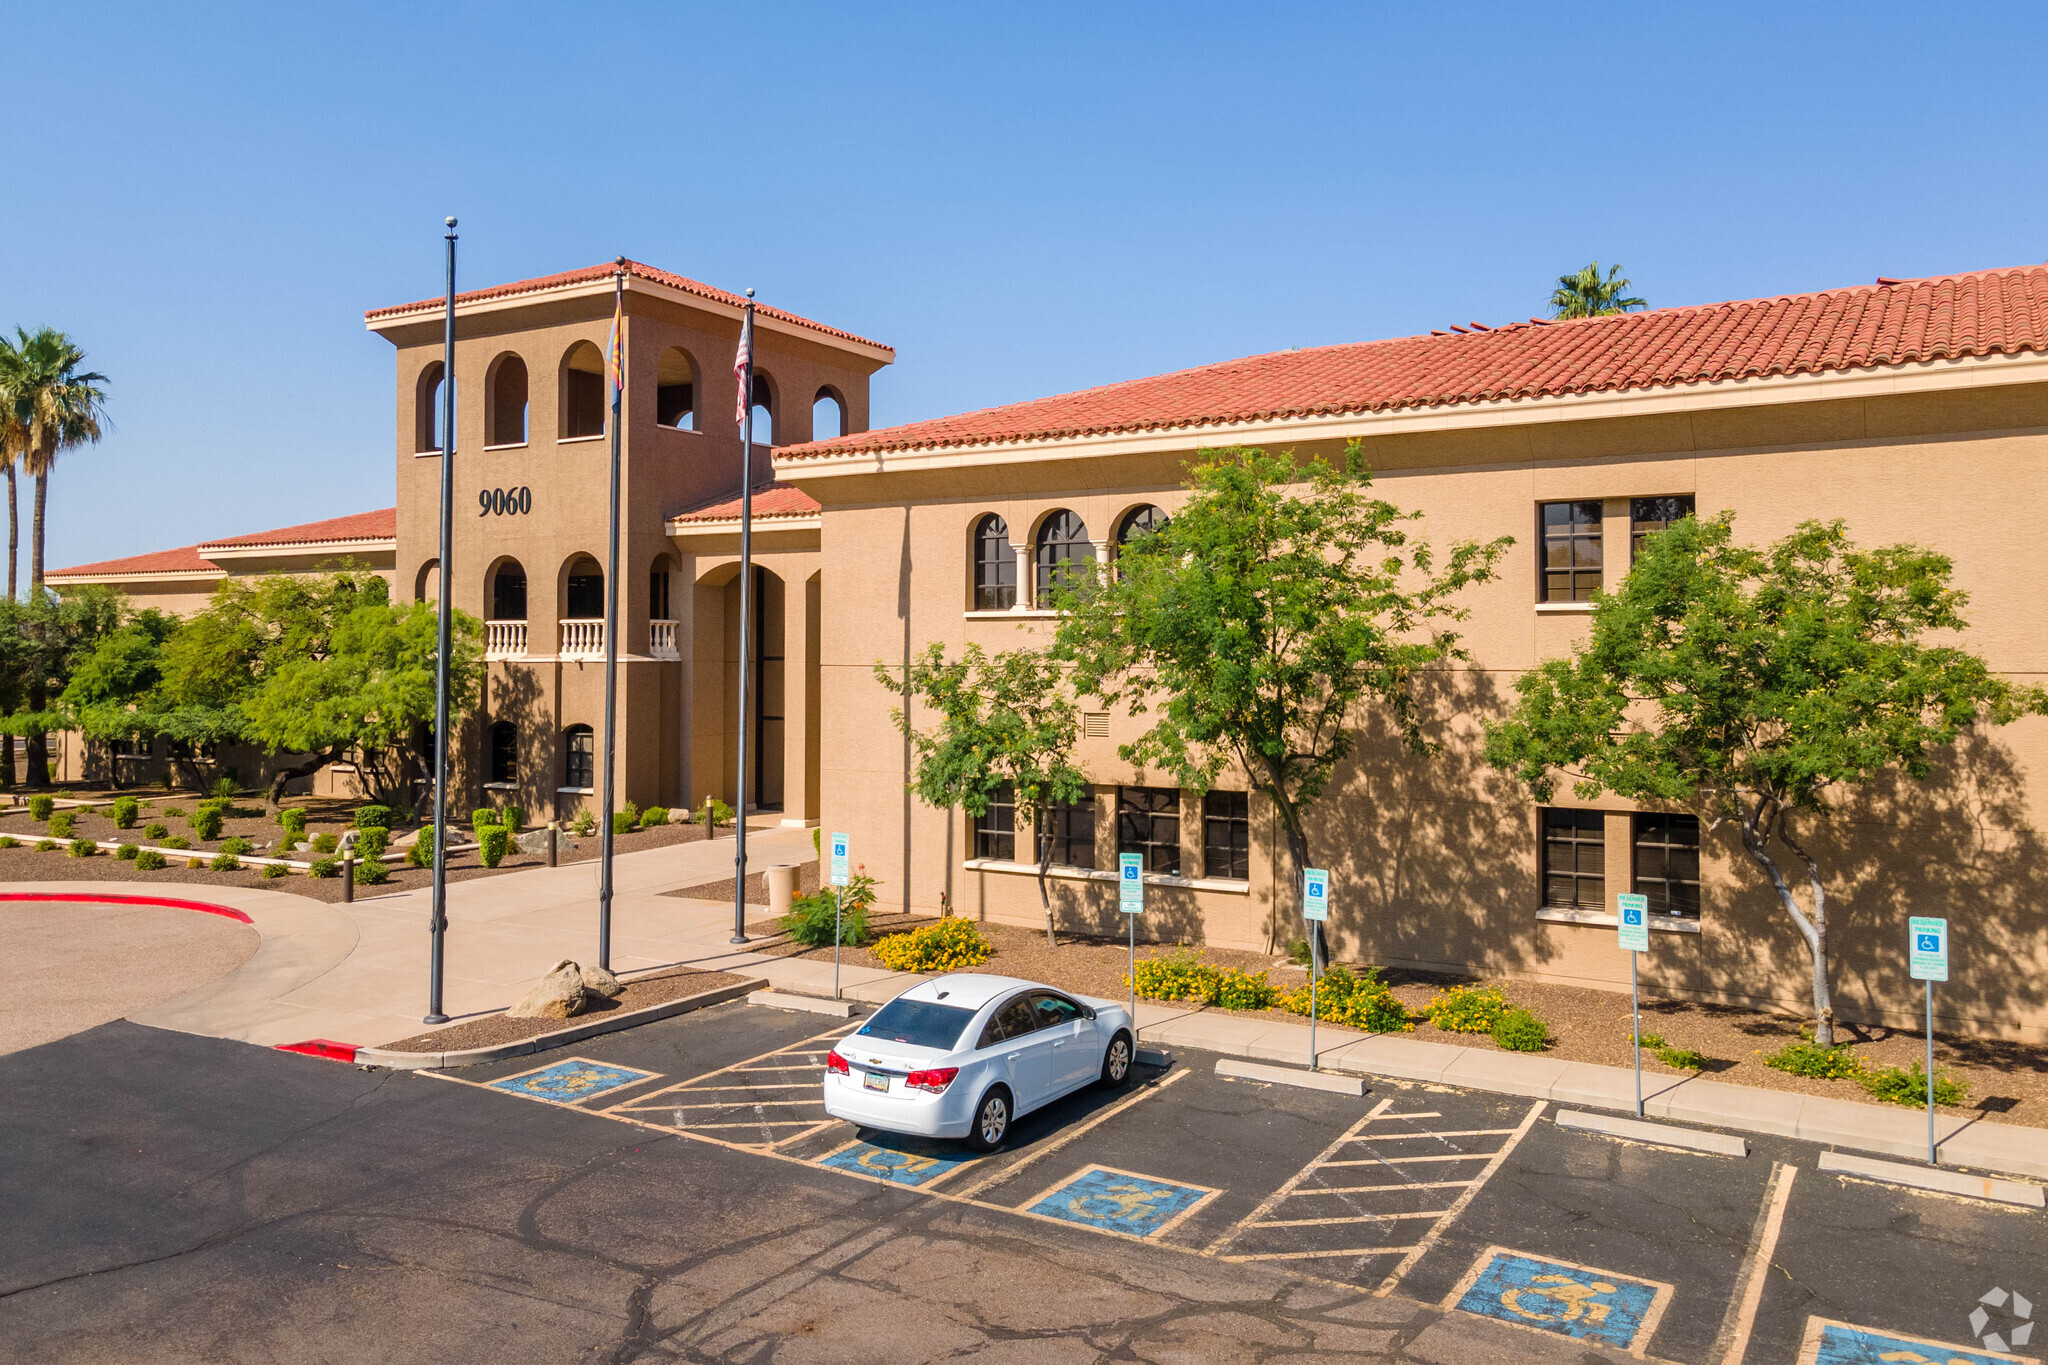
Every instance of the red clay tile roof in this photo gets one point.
(604, 272)
(771, 500)
(186, 560)
(1889, 323)
(381, 524)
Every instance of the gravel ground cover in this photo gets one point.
(641, 993)
(757, 887)
(2008, 1082)
(251, 821)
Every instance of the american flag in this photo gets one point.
(617, 350)
(743, 369)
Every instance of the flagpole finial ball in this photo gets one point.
(621, 262)
(449, 221)
(750, 293)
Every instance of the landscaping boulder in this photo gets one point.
(535, 842)
(598, 981)
(558, 995)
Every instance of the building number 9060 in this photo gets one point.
(504, 502)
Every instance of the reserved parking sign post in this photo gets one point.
(839, 880)
(1130, 900)
(1927, 959)
(1632, 927)
(1315, 908)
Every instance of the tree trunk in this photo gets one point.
(7, 762)
(35, 540)
(38, 745)
(313, 764)
(1757, 829)
(1298, 854)
(13, 540)
(1044, 862)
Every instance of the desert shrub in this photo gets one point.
(45, 845)
(652, 816)
(513, 818)
(373, 817)
(174, 812)
(63, 824)
(276, 870)
(371, 841)
(481, 816)
(1299, 953)
(293, 819)
(1467, 1009)
(326, 842)
(943, 947)
(631, 812)
(127, 810)
(370, 872)
(223, 788)
(149, 860)
(82, 848)
(175, 841)
(721, 813)
(1890, 1085)
(622, 823)
(1808, 1058)
(9, 841)
(1356, 999)
(206, 822)
(324, 867)
(39, 807)
(237, 845)
(810, 921)
(421, 854)
(1519, 1030)
(224, 862)
(1677, 1058)
(156, 829)
(585, 824)
(128, 853)
(1175, 976)
(1242, 990)
(492, 843)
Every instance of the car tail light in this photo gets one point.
(935, 1080)
(835, 1062)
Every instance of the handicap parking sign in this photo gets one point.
(839, 849)
(1927, 955)
(1633, 922)
(1130, 883)
(1315, 894)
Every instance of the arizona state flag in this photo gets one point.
(743, 369)
(616, 353)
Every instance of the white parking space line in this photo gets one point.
(1272, 1201)
(1463, 1201)
(1345, 1252)
(1429, 1133)
(754, 1095)
(1366, 1189)
(1352, 1218)
(1732, 1342)
(1411, 1160)
(1047, 1149)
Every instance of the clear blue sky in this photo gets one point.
(1022, 200)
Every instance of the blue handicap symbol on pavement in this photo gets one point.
(1118, 1201)
(573, 1080)
(1838, 1343)
(899, 1161)
(1570, 1300)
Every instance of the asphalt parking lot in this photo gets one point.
(1478, 1203)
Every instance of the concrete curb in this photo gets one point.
(611, 1023)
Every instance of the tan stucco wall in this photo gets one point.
(1435, 860)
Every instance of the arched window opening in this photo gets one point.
(426, 586)
(579, 759)
(828, 415)
(427, 410)
(1062, 543)
(584, 595)
(657, 590)
(504, 765)
(582, 392)
(505, 415)
(763, 409)
(1139, 521)
(675, 390)
(508, 592)
(995, 565)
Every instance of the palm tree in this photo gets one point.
(1586, 295)
(13, 439)
(52, 406)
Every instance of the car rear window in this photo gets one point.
(919, 1022)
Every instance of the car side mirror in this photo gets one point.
(1088, 1010)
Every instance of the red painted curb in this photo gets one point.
(126, 900)
(322, 1047)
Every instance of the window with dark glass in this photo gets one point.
(1647, 516)
(583, 392)
(508, 594)
(504, 752)
(1073, 832)
(1148, 823)
(1226, 835)
(1667, 867)
(1139, 521)
(1574, 860)
(585, 591)
(578, 765)
(1062, 542)
(657, 595)
(995, 565)
(1571, 551)
(995, 829)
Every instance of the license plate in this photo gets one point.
(874, 1080)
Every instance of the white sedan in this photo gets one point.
(962, 1056)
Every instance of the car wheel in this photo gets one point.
(991, 1120)
(1116, 1060)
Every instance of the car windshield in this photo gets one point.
(922, 1023)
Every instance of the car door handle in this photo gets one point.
(1014, 1056)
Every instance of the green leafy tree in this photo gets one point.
(1759, 686)
(1262, 619)
(1584, 294)
(42, 639)
(1003, 719)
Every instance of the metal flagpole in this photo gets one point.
(743, 371)
(611, 626)
(437, 914)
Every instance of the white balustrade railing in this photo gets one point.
(504, 639)
(661, 639)
(583, 639)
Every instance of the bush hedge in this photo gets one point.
(155, 830)
(149, 860)
(652, 816)
(492, 843)
(9, 841)
(946, 946)
(206, 822)
(371, 841)
(45, 845)
(237, 845)
(224, 862)
(421, 854)
(483, 815)
(39, 807)
(1519, 1030)
(324, 867)
(1467, 1009)
(276, 870)
(622, 823)
(370, 872)
(82, 848)
(326, 842)
(1185, 976)
(126, 811)
(293, 819)
(373, 817)
(128, 853)
(1355, 999)
(63, 824)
